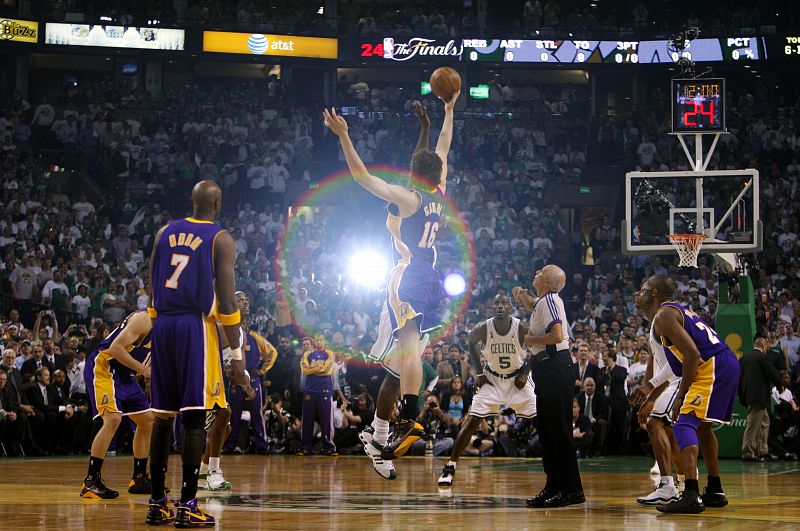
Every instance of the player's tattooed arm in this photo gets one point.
(476, 339)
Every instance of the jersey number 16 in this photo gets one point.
(428, 235)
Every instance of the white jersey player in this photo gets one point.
(503, 382)
(656, 412)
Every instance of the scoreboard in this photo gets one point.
(618, 52)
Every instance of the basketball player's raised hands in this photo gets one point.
(334, 122)
(451, 103)
(422, 114)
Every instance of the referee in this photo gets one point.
(552, 375)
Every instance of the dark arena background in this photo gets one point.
(593, 135)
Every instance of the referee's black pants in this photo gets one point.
(552, 374)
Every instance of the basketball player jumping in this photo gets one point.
(710, 376)
(503, 382)
(192, 281)
(415, 213)
(110, 375)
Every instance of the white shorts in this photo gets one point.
(384, 351)
(663, 406)
(502, 394)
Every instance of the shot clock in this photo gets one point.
(698, 105)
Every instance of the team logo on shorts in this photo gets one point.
(696, 401)
(405, 309)
(104, 400)
(216, 390)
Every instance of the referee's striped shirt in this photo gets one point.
(548, 311)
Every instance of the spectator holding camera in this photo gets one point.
(438, 425)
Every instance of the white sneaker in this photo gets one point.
(385, 469)
(215, 481)
(664, 493)
(447, 477)
(654, 471)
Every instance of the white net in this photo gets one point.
(688, 247)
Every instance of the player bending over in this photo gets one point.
(710, 376)
(414, 216)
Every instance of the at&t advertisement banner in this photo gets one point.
(264, 44)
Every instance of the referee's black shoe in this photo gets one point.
(563, 499)
(539, 499)
(689, 503)
(714, 499)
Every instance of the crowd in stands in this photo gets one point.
(75, 245)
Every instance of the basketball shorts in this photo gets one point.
(414, 292)
(112, 391)
(711, 396)
(186, 364)
(662, 409)
(384, 350)
(490, 400)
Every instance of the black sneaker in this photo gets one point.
(563, 499)
(448, 475)
(688, 503)
(94, 489)
(405, 433)
(160, 512)
(539, 499)
(714, 499)
(140, 484)
(190, 516)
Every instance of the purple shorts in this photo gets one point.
(711, 396)
(186, 364)
(414, 293)
(112, 391)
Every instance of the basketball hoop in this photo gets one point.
(688, 247)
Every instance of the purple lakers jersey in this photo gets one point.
(183, 268)
(705, 338)
(413, 237)
(140, 352)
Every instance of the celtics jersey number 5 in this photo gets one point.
(504, 353)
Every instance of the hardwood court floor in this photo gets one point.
(344, 493)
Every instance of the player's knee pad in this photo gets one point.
(194, 420)
(685, 432)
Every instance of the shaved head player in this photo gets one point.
(710, 376)
(191, 275)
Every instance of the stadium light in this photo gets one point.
(455, 284)
(368, 268)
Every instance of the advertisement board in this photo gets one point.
(264, 44)
(114, 36)
(13, 30)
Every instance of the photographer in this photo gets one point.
(355, 417)
(437, 425)
(278, 422)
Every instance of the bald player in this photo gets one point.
(709, 374)
(551, 365)
(192, 282)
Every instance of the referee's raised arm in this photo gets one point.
(552, 376)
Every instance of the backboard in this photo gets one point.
(658, 204)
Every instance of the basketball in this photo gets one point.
(445, 82)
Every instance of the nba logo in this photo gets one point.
(388, 48)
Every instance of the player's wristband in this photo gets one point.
(480, 374)
(236, 354)
(152, 312)
(230, 319)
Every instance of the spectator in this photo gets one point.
(594, 407)
(582, 432)
(437, 424)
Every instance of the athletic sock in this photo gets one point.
(381, 430)
(189, 485)
(213, 463)
(691, 485)
(714, 484)
(409, 409)
(668, 480)
(95, 465)
(139, 466)
(451, 463)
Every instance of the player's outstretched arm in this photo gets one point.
(476, 338)
(423, 142)
(137, 326)
(446, 137)
(406, 200)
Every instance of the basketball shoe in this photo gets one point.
(216, 481)
(190, 516)
(714, 499)
(664, 493)
(94, 489)
(140, 484)
(160, 512)
(448, 475)
(688, 503)
(406, 432)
